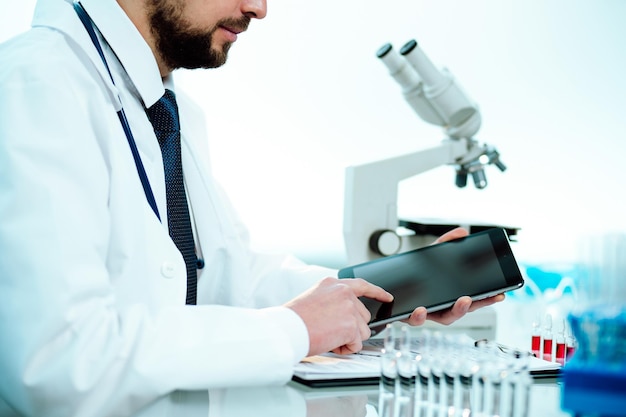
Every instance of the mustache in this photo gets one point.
(238, 25)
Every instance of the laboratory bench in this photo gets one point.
(296, 400)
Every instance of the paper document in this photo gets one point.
(332, 366)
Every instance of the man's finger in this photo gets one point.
(451, 235)
(362, 288)
(418, 317)
(458, 310)
(363, 311)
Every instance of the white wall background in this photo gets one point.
(303, 96)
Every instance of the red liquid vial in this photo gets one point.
(570, 352)
(560, 344)
(547, 338)
(571, 345)
(536, 345)
(560, 353)
(547, 349)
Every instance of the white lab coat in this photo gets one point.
(93, 320)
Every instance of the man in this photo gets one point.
(95, 286)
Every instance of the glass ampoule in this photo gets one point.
(561, 347)
(570, 343)
(536, 339)
(547, 338)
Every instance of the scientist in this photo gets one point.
(120, 281)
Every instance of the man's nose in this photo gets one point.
(254, 9)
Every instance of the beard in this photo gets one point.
(180, 45)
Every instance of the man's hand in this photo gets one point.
(462, 306)
(334, 316)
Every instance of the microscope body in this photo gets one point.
(371, 225)
(371, 193)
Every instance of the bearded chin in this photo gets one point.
(182, 47)
(192, 51)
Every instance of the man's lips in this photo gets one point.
(232, 31)
(230, 34)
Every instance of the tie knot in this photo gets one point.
(164, 113)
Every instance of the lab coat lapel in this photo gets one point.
(195, 168)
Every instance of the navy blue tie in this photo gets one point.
(164, 118)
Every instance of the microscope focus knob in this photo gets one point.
(385, 242)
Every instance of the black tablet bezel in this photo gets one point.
(512, 276)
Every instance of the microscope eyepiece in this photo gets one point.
(408, 47)
(384, 50)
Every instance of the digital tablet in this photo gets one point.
(479, 265)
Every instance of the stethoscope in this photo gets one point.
(89, 26)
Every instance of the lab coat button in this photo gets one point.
(168, 270)
(200, 263)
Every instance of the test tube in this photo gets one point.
(570, 342)
(436, 347)
(439, 383)
(425, 394)
(388, 374)
(452, 373)
(547, 338)
(536, 337)
(427, 389)
(407, 372)
(502, 399)
(467, 376)
(521, 382)
(421, 360)
(482, 385)
(498, 374)
(560, 344)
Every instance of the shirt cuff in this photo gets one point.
(293, 327)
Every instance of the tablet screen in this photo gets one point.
(435, 276)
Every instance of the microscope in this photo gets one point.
(371, 225)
